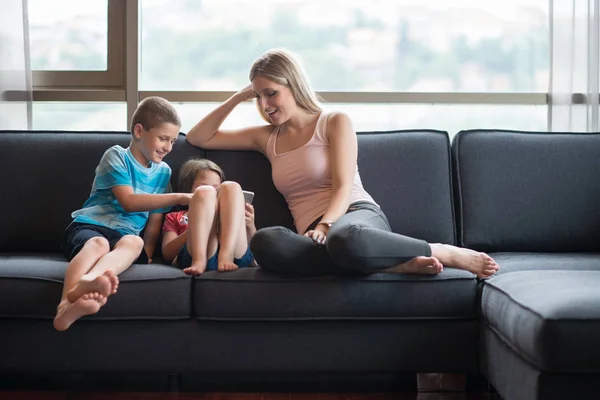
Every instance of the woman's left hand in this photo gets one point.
(318, 235)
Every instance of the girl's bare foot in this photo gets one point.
(197, 268)
(419, 265)
(476, 262)
(100, 284)
(226, 262)
(87, 304)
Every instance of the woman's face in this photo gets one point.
(277, 101)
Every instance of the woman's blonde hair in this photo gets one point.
(191, 168)
(279, 66)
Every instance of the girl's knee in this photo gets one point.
(98, 244)
(230, 186)
(204, 192)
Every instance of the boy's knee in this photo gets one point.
(134, 242)
(99, 244)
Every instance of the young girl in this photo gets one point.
(214, 234)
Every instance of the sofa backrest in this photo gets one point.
(408, 174)
(48, 175)
(528, 191)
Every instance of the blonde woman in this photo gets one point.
(313, 154)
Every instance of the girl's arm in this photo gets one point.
(249, 218)
(208, 135)
(151, 234)
(172, 243)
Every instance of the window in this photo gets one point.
(377, 46)
(391, 64)
(68, 35)
(80, 116)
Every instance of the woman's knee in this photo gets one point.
(342, 244)
(268, 243)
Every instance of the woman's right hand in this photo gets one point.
(246, 93)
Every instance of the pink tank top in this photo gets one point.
(303, 176)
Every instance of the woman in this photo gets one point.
(314, 155)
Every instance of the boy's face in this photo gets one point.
(154, 144)
(206, 178)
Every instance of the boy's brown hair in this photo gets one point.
(191, 168)
(153, 111)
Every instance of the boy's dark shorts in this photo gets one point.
(77, 234)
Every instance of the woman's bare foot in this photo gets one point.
(87, 304)
(419, 265)
(100, 284)
(226, 262)
(197, 268)
(476, 262)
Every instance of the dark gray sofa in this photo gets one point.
(529, 199)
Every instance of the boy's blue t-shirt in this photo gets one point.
(119, 167)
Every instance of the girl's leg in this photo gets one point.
(202, 240)
(232, 233)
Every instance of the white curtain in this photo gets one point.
(15, 66)
(575, 66)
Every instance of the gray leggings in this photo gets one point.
(361, 241)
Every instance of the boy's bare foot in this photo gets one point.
(476, 262)
(113, 279)
(419, 265)
(87, 304)
(196, 268)
(226, 262)
(100, 284)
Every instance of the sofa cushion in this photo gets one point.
(511, 262)
(528, 191)
(31, 287)
(550, 318)
(51, 176)
(250, 294)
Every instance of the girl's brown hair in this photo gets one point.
(190, 169)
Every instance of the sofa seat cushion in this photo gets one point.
(511, 262)
(251, 294)
(31, 287)
(550, 318)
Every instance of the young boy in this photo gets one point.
(127, 195)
